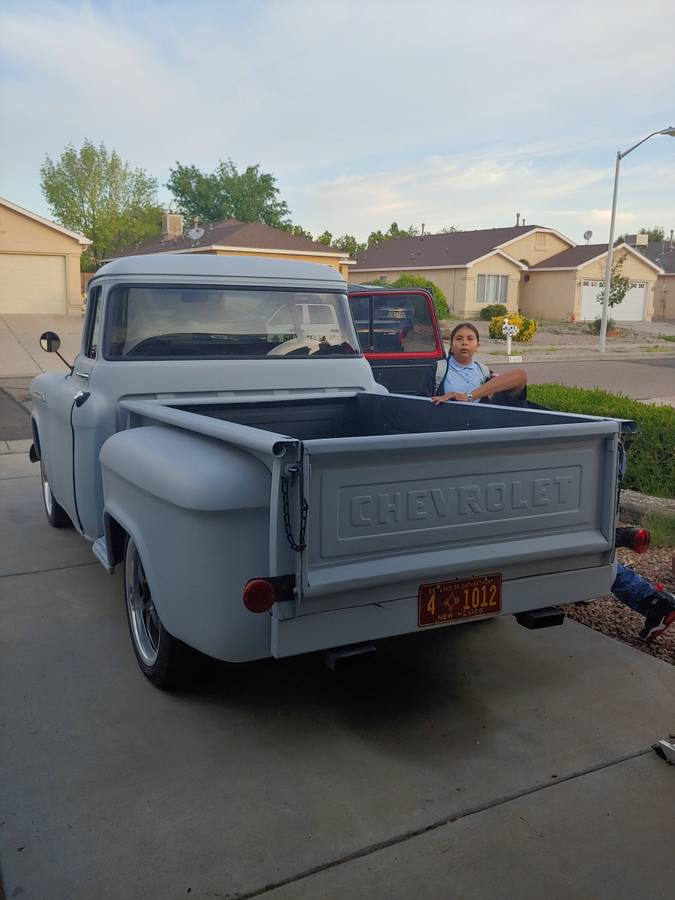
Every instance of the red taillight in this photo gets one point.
(259, 595)
(641, 540)
(636, 539)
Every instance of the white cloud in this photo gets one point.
(487, 193)
(437, 111)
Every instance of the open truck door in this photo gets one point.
(399, 335)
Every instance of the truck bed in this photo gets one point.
(363, 414)
(373, 496)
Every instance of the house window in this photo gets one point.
(540, 241)
(492, 288)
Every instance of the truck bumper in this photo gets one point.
(334, 628)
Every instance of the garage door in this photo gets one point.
(32, 284)
(631, 308)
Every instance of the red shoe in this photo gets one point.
(660, 616)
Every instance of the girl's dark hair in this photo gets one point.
(469, 325)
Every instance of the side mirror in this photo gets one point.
(50, 341)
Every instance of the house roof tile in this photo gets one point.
(452, 249)
(572, 257)
(232, 233)
(661, 253)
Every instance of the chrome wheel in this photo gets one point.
(56, 514)
(143, 618)
(47, 493)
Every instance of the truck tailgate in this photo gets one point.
(416, 507)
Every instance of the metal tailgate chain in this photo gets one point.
(300, 546)
(623, 463)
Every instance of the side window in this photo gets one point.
(360, 310)
(402, 324)
(94, 310)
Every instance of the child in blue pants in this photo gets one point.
(658, 607)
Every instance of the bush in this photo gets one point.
(527, 328)
(595, 326)
(417, 281)
(651, 452)
(494, 309)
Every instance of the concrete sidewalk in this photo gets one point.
(478, 761)
(20, 352)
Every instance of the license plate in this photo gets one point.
(464, 598)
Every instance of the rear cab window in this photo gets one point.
(395, 324)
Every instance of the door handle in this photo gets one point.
(82, 374)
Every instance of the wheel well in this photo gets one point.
(116, 539)
(36, 437)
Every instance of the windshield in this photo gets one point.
(172, 321)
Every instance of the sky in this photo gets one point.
(366, 112)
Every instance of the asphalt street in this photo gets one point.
(642, 379)
(476, 761)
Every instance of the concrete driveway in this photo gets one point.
(477, 761)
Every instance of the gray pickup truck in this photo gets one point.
(228, 445)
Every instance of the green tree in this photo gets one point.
(418, 281)
(619, 284)
(227, 193)
(655, 234)
(298, 231)
(325, 238)
(348, 244)
(378, 237)
(93, 191)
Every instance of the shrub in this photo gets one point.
(527, 328)
(494, 309)
(417, 281)
(651, 452)
(595, 326)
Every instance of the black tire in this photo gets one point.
(56, 514)
(164, 660)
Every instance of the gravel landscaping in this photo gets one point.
(615, 620)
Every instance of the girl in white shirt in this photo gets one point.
(470, 381)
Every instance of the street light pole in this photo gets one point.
(610, 254)
(610, 246)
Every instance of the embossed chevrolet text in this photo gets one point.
(393, 507)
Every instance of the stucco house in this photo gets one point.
(39, 264)
(663, 254)
(233, 238)
(530, 268)
(472, 268)
(566, 286)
